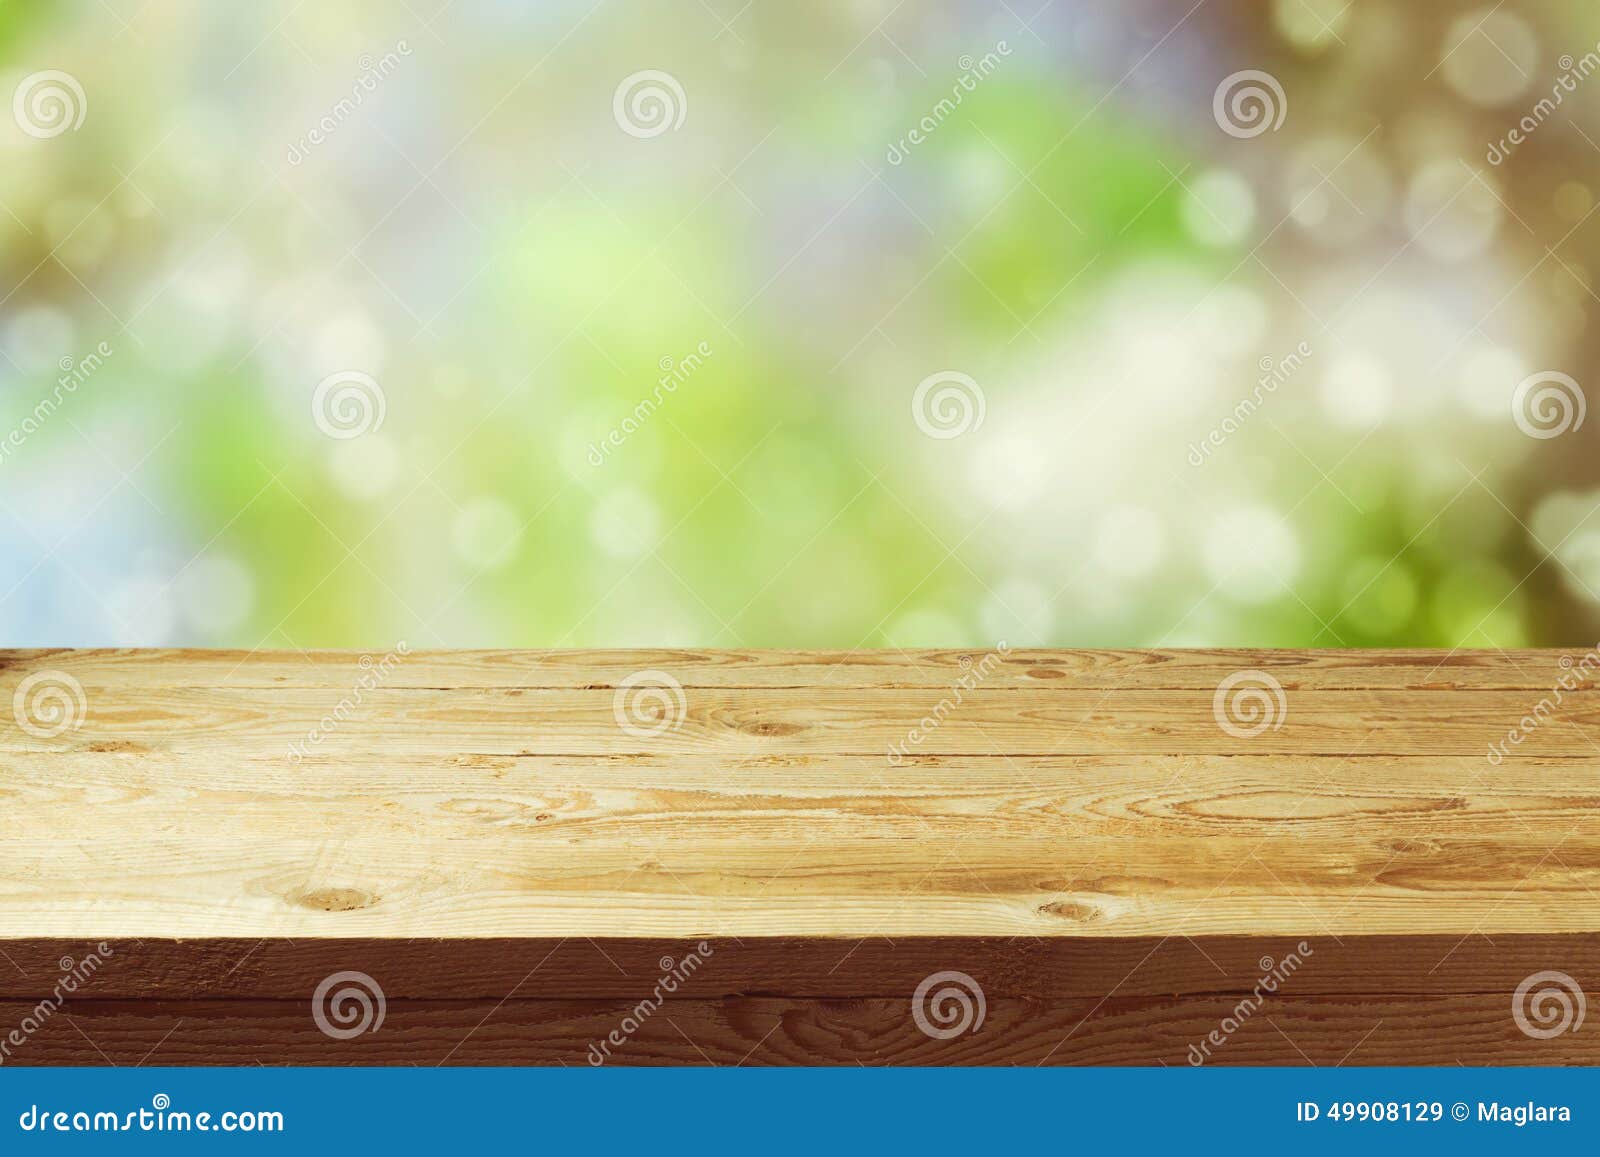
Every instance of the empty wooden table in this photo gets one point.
(749, 857)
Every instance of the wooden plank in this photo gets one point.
(882, 725)
(1021, 668)
(1294, 1030)
(1091, 837)
(811, 967)
(735, 885)
(652, 797)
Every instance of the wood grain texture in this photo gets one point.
(799, 966)
(1293, 1030)
(1018, 667)
(512, 846)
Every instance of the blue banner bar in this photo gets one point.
(745, 1111)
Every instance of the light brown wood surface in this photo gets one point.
(1078, 832)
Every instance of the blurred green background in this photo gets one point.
(624, 360)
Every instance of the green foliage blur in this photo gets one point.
(598, 380)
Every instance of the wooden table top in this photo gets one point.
(1110, 856)
(737, 793)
